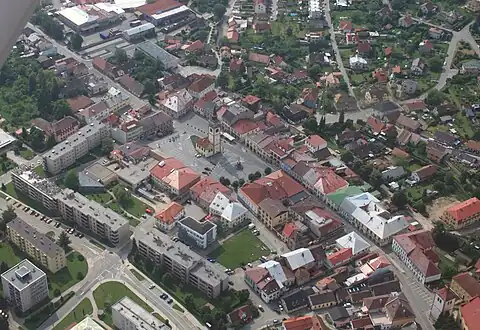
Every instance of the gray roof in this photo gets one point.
(155, 120)
(27, 174)
(37, 239)
(23, 274)
(87, 180)
(139, 29)
(138, 315)
(95, 210)
(473, 64)
(157, 52)
(200, 227)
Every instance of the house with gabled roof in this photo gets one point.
(462, 214)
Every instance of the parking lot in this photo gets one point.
(179, 145)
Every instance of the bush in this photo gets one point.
(57, 292)
(80, 257)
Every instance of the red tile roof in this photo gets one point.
(251, 99)
(380, 75)
(446, 294)
(299, 323)
(260, 58)
(464, 210)
(361, 323)
(415, 105)
(168, 214)
(474, 145)
(273, 119)
(375, 124)
(289, 229)
(256, 274)
(207, 188)
(340, 256)
(397, 152)
(244, 126)
(194, 46)
(241, 314)
(471, 314)
(235, 64)
(316, 140)
(388, 51)
(468, 283)
(202, 83)
(158, 7)
(79, 102)
(165, 167)
(345, 25)
(364, 47)
(477, 266)
(328, 181)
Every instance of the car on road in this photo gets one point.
(151, 287)
(244, 268)
(26, 209)
(230, 282)
(281, 307)
(276, 321)
(260, 307)
(170, 300)
(249, 265)
(80, 235)
(42, 218)
(212, 260)
(149, 211)
(7, 199)
(208, 169)
(32, 212)
(164, 296)
(49, 221)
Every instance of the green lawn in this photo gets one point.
(6, 165)
(83, 309)
(67, 277)
(40, 171)
(27, 154)
(136, 207)
(109, 293)
(240, 249)
(137, 274)
(415, 193)
(178, 308)
(158, 316)
(103, 198)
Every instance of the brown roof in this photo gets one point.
(158, 7)
(131, 84)
(361, 323)
(408, 122)
(201, 83)
(446, 294)
(397, 152)
(468, 283)
(79, 102)
(398, 308)
(273, 207)
(474, 145)
(260, 58)
(64, 123)
(426, 171)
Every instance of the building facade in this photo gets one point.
(128, 315)
(202, 233)
(25, 285)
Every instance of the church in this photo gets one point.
(212, 144)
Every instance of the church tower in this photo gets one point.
(214, 137)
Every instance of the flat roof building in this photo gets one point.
(139, 31)
(25, 285)
(6, 141)
(179, 260)
(88, 18)
(26, 180)
(37, 245)
(202, 233)
(93, 216)
(128, 315)
(156, 52)
(75, 147)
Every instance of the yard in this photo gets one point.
(108, 293)
(27, 154)
(83, 309)
(65, 278)
(416, 193)
(240, 250)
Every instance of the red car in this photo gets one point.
(149, 211)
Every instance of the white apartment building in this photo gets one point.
(25, 285)
(26, 180)
(115, 99)
(127, 132)
(315, 9)
(128, 315)
(182, 262)
(202, 233)
(75, 147)
(93, 216)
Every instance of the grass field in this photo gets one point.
(178, 308)
(27, 154)
(67, 277)
(111, 292)
(83, 309)
(240, 249)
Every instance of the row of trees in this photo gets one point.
(239, 183)
(48, 24)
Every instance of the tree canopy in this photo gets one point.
(76, 41)
(71, 180)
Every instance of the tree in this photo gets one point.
(149, 87)
(251, 177)
(258, 175)
(446, 322)
(219, 11)
(122, 195)
(121, 56)
(57, 292)
(435, 64)
(376, 178)
(76, 41)
(399, 199)
(341, 117)
(226, 182)
(80, 276)
(189, 301)
(9, 214)
(268, 170)
(420, 207)
(37, 139)
(235, 185)
(347, 156)
(3, 267)
(222, 79)
(241, 182)
(71, 180)
(434, 97)
(63, 240)
(314, 71)
(107, 146)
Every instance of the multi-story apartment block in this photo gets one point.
(37, 245)
(128, 131)
(128, 315)
(93, 216)
(26, 180)
(202, 233)
(183, 263)
(25, 285)
(76, 146)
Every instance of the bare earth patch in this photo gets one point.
(438, 206)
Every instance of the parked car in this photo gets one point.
(170, 300)
(260, 307)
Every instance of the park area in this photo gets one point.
(108, 293)
(83, 309)
(239, 250)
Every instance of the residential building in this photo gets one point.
(272, 213)
(417, 252)
(96, 112)
(234, 113)
(128, 315)
(182, 262)
(322, 300)
(469, 314)
(323, 223)
(172, 176)
(470, 67)
(366, 213)
(128, 131)
(115, 100)
(260, 280)
(241, 315)
(177, 104)
(299, 258)
(38, 246)
(156, 52)
(443, 303)
(168, 217)
(75, 147)
(355, 242)
(260, 7)
(296, 235)
(409, 86)
(130, 84)
(465, 286)
(230, 213)
(87, 324)
(93, 216)
(156, 124)
(297, 299)
(202, 85)
(25, 285)
(39, 189)
(418, 66)
(60, 129)
(422, 174)
(462, 214)
(315, 143)
(428, 8)
(408, 123)
(406, 21)
(311, 322)
(205, 191)
(393, 173)
(138, 32)
(358, 63)
(202, 233)
(389, 311)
